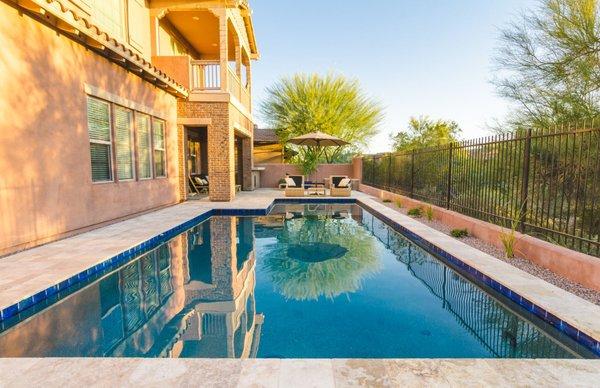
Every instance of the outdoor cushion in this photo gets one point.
(344, 182)
(290, 182)
(200, 181)
(335, 180)
(298, 179)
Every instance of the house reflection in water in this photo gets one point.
(219, 292)
(192, 297)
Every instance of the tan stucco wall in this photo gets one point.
(45, 177)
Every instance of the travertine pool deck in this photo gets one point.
(26, 273)
(112, 372)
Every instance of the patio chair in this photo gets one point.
(294, 186)
(199, 183)
(341, 186)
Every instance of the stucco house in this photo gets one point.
(108, 106)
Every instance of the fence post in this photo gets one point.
(412, 173)
(449, 176)
(373, 171)
(389, 180)
(525, 182)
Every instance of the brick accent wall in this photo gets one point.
(221, 163)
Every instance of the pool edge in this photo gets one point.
(578, 335)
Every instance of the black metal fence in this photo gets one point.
(547, 181)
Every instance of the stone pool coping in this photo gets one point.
(43, 273)
(125, 372)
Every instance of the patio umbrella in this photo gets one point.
(318, 141)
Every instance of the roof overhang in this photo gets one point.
(58, 15)
(191, 5)
(247, 16)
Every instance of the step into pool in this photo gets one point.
(304, 281)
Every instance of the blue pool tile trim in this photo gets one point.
(106, 265)
(471, 272)
(474, 274)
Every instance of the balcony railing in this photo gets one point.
(206, 75)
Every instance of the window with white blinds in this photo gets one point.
(144, 145)
(116, 133)
(98, 114)
(158, 141)
(123, 143)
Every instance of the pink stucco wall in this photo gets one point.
(578, 267)
(357, 163)
(275, 171)
(46, 189)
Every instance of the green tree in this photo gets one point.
(425, 132)
(331, 104)
(548, 64)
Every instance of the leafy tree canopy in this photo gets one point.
(548, 64)
(331, 104)
(425, 132)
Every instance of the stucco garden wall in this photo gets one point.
(576, 266)
(273, 172)
(46, 190)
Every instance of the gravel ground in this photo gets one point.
(519, 262)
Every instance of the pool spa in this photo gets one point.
(306, 280)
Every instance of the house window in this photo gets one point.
(144, 145)
(158, 142)
(98, 113)
(110, 15)
(123, 143)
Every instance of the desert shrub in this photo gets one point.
(416, 212)
(459, 233)
(429, 213)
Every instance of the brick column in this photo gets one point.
(220, 146)
(221, 160)
(247, 146)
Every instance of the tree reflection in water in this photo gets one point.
(320, 254)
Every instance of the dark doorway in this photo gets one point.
(239, 162)
(196, 158)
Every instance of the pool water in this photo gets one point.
(305, 281)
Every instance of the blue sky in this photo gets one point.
(417, 57)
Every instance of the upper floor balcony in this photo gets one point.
(205, 76)
(205, 46)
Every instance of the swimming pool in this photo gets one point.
(305, 281)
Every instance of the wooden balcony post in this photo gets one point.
(223, 51)
(238, 61)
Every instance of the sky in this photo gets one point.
(416, 57)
